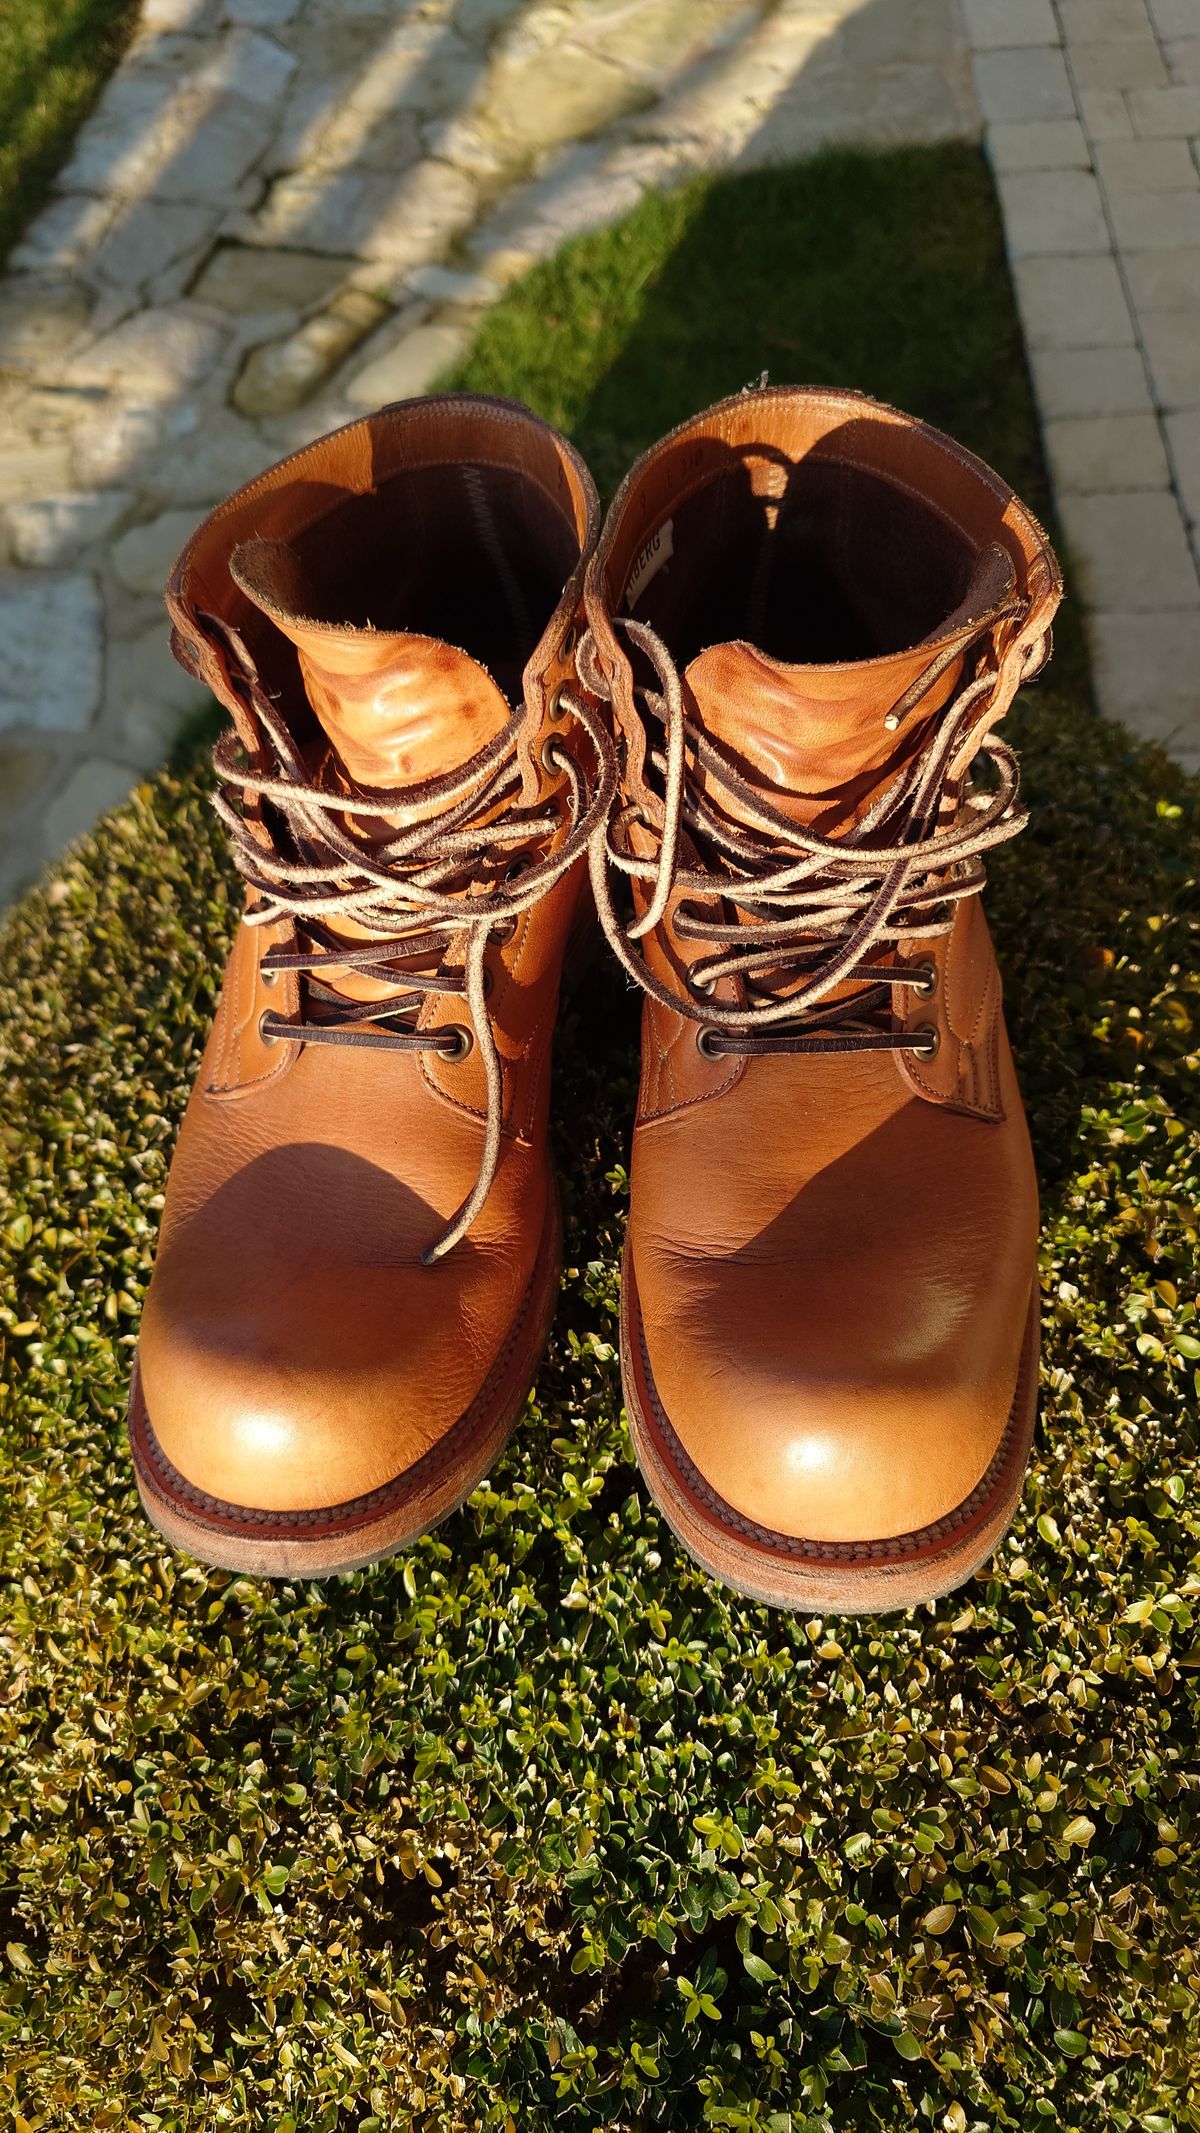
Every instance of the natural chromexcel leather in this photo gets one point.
(830, 1268)
(401, 597)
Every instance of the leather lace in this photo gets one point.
(790, 916)
(457, 880)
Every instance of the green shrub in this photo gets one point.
(537, 1827)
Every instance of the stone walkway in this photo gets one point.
(1092, 122)
(286, 211)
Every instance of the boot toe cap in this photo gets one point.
(813, 1429)
(310, 1401)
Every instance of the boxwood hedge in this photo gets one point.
(536, 1826)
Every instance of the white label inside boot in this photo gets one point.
(658, 550)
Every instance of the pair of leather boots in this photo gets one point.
(750, 724)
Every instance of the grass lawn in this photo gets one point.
(536, 1828)
(55, 56)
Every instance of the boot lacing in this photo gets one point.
(307, 867)
(815, 912)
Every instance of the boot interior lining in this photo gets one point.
(473, 554)
(839, 565)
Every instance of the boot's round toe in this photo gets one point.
(804, 1439)
(299, 1407)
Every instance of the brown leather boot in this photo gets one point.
(360, 1244)
(810, 612)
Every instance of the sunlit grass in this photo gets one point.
(54, 57)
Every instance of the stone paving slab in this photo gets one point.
(1099, 182)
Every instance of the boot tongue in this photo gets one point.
(812, 739)
(398, 708)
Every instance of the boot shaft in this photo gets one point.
(401, 588)
(809, 613)
(824, 572)
(389, 618)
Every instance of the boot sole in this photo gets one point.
(348, 1536)
(824, 1577)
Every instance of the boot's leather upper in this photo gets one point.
(810, 613)
(361, 1188)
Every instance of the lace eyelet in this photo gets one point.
(705, 1041)
(267, 975)
(555, 708)
(265, 1035)
(923, 978)
(456, 1041)
(931, 1040)
(547, 753)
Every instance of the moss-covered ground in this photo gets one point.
(537, 1828)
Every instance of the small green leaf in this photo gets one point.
(759, 1970)
(940, 1919)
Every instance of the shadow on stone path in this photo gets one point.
(285, 212)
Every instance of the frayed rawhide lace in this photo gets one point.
(434, 893)
(802, 916)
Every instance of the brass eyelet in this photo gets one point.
(931, 1039)
(555, 708)
(546, 754)
(456, 1041)
(705, 1039)
(923, 977)
(268, 976)
(267, 1036)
